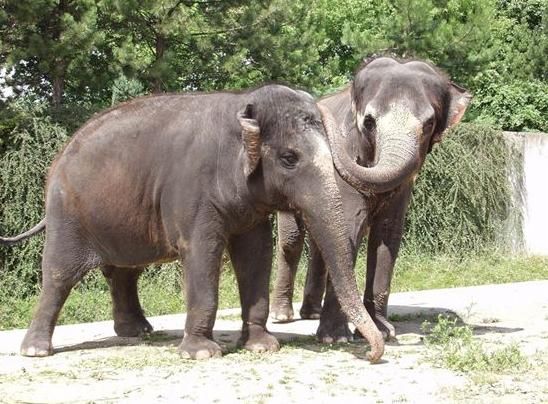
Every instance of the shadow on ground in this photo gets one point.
(408, 320)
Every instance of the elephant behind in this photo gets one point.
(389, 117)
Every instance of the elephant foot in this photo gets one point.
(385, 327)
(132, 327)
(195, 347)
(281, 312)
(36, 346)
(257, 339)
(330, 332)
(310, 311)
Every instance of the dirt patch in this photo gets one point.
(91, 365)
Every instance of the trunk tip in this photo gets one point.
(376, 341)
(375, 354)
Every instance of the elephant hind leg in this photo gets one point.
(66, 259)
(129, 319)
(288, 253)
(315, 285)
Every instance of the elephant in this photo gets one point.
(390, 116)
(184, 176)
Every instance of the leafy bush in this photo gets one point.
(462, 195)
(520, 105)
(34, 142)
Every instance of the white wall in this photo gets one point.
(535, 182)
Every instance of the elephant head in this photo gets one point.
(402, 108)
(289, 166)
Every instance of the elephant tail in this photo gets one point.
(23, 236)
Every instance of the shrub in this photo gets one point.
(34, 142)
(519, 105)
(462, 195)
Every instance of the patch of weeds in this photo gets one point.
(16, 377)
(484, 378)
(41, 375)
(454, 346)
(137, 359)
(421, 315)
(238, 354)
(55, 374)
(310, 343)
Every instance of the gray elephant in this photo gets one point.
(182, 176)
(390, 116)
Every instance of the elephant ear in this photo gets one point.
(459, 100)
(251, 138)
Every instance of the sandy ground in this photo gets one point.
(93, 365)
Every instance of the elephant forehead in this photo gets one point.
(397, 117)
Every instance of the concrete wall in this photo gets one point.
(528, 225)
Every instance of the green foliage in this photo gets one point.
(79, 49)
(450, 210)
(35, 141)
(450, 33)
(46, 42)
(455, 347)
(125, 88)
(422, 271)
(520, 105)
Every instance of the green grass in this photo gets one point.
(420, 272)
(160, 289)
(455, 347)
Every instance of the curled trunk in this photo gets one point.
(397, 160)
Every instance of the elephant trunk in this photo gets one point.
(323, 214)
(327, 227)
(397, 158)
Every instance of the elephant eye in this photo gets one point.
(369, 123)
(311, 122)
(289, 159)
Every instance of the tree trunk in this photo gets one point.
(58, 87)
(157, 84)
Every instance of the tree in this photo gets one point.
(450, 33)
(161, 41)
(42, 39)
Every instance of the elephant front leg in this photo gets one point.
(251, 255)
(288, 253)
(333, 323)
(382, 250)
(201, 278)
(129, 319)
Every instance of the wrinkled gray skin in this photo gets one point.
(184, 177)
(390, 116)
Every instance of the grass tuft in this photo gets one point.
(455, 347)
